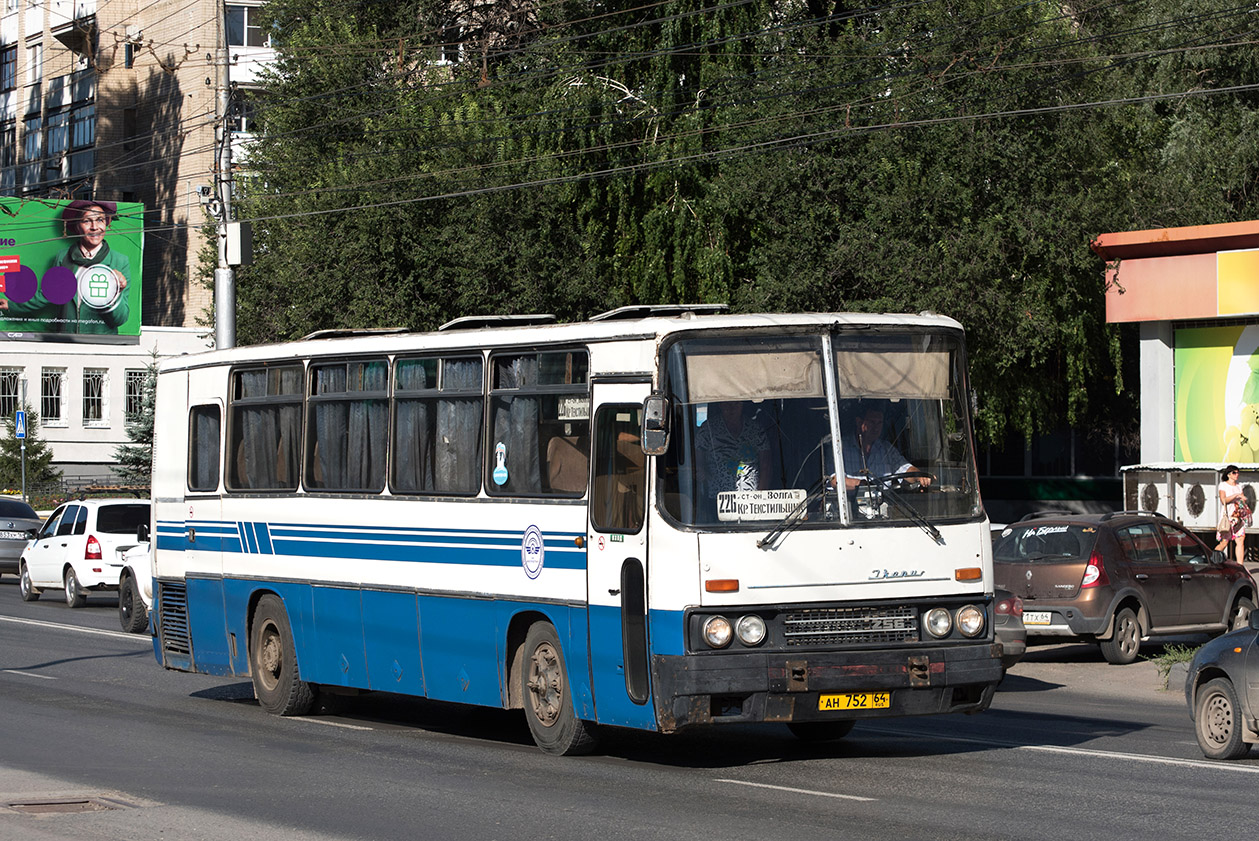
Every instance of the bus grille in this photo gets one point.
(852, 625)
(174, 612)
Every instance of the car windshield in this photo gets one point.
(122, 519)
(753, 422)
(13, 509)
(1045, 543)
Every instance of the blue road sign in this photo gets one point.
(19, 423)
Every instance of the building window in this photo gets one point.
(58, 131)
(32, 151)
(95, 382)
(8, 156)
(245, 27)
(82, 139)
(134, 406)
(10, 391)
(51, 389)
(8, 68)
(34, 64)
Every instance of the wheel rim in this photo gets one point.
(270, 656)
(71, 586)
(25, 582)
(546, 684)
(1217, 719)
(124, 603)
(1241, 616)
(1127, 634)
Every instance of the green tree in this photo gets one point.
(39, 469)
(135, 460)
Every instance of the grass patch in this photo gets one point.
(1172, 654)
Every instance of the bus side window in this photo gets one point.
(620, 475)
(204, 423)
(539, 424)
(266, 428)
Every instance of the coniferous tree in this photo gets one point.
(135, 460)
(39, 469)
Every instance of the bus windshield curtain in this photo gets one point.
(516, 428)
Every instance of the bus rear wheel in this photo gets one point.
(547, 696)
(273, 662)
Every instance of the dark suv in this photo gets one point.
(1118, 578)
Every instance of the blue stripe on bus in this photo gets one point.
(446, 546)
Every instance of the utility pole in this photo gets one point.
(224, 274)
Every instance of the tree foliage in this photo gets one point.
(426, 160)
(135, 459)
(39, 468)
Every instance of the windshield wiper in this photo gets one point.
(918, 519)
(794, 517)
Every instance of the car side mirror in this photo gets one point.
(31, 534)
(142, 533)
(655, 432)
(1254, 620)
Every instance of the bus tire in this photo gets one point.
(273, 662)
(821, 731)
(547, 696)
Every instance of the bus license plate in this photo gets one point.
(1036, 617)
(855, 701)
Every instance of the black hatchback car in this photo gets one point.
(1118, 578)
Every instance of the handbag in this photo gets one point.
(1225, 525)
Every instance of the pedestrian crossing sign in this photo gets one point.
(19, 423)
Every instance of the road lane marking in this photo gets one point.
(307, 720)
(800, 790)
(148, 640)
(27, 674)
(1101, 754)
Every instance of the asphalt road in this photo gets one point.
(1073, 748)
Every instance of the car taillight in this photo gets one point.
(93, 552)
(1095, 572)
(1012, 606)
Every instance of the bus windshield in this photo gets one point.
(754, 424)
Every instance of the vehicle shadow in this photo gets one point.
(723, 746)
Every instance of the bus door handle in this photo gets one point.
(192, 535)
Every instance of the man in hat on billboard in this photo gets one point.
(93, 276)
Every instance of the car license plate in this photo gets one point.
(1036, 617)
(12, 535)
(855, 701)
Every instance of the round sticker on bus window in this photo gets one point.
(532, 551)
(500, 464)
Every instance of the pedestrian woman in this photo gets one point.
(1236, 516)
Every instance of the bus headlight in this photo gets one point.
(750, 629)
(717, 631)
(938, 622)
(970, 621)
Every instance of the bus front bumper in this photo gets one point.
(727, 687)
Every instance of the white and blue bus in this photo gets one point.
(659, 518)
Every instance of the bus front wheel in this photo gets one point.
(273, 662)
(547, 696)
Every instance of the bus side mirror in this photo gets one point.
(655, 424)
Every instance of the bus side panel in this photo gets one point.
(391, 638)
(339, 638)
(461, 649)
(206, 627)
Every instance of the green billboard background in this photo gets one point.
(1217, 394)
(33, 233)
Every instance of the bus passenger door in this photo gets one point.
(616, 558)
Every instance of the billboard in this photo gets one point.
(1217, 394)
(70, 270)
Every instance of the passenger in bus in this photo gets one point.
(866, 453)
(733, 450)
